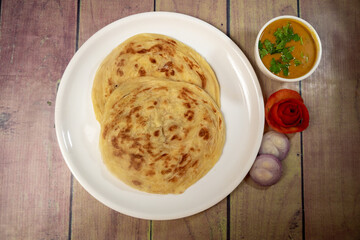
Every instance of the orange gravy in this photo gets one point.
(305, 51)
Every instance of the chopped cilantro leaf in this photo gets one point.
(260, 45)
(286, 55)
(297, 62)
(275, 66)
(296, 37)
(269, 46)
(285, 71)
(263, 52)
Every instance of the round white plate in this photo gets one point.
(241, 103)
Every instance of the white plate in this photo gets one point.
(241, 102)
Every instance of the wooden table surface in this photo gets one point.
(318, 196)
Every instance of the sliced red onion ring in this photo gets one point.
(266, 170)
(276, 144)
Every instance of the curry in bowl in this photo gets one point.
(288, 48)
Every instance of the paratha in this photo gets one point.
(151, 55)
(161, 136)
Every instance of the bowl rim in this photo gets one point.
(313, 32)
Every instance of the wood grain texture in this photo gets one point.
(95, 15)
(332, 142)
(273, 212)
(212, 223)
(211, 11)
(34, 180)
(90, 218)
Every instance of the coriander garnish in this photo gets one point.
(283, 36)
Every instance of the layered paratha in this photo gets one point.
(151, 55)
(161, 136)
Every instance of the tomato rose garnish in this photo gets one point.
(286, 112)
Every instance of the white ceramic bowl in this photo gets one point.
(272, 75)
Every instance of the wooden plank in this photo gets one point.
(212, 223)
(273, 212)
(37, 40)
(90, 218)
(331, 144)
(211, 11)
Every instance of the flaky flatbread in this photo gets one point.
(161, 136)
(151, 55)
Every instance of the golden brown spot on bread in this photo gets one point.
(110, 82)
(195, 163)
(203, 79)
(155, 48)
(135, 145)
(143, 51)
(145, 89)
(173, 127)
(220, 121)
(207, 118)
(114, 142)
(173, 179)
(189, 62)
(182, 170)
(130, 50)
(119, 72)
(175, 137)
(168, 41)
(150, 173)
(204, 133)
(186, 93)
(106, 129)
(186, 104)
(133, 110)
(136, 182)
(186, 131)
(136, 161)
(187, 90)
(213, 108)
(156, 133)
(148, 146)
(142, 122)
(167, 67)
(163, 172)
(189, 115)
(155, 102)
(152, 60)
(160, 88)
(119, 152)
(161, 156)
(172, 41)
(184, 158)
(142, 72)
(150, 107)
